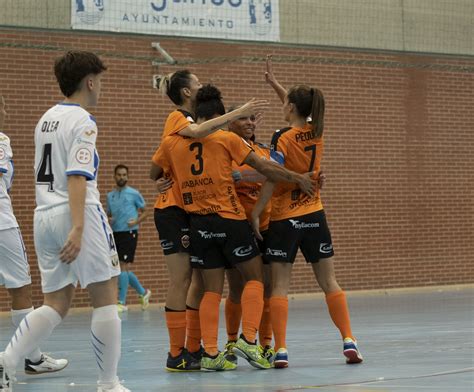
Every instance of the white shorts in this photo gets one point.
(97, 261)
(14, 268)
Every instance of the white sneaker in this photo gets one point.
(122, 308)
(112, 388)
(145, 299)
(7, 377)
(47, 364)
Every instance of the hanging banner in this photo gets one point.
(252, 20)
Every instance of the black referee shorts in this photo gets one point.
(126, 243)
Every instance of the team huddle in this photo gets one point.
(227, 206)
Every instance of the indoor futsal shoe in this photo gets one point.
(184, 362)
(117, 387)
(216, 363)
(269, 353)
(351, 351)
(252, 352)
(281, 359)
(229, 352)
(46, 364)
(197, 355)
(6, 377)
(145, 299)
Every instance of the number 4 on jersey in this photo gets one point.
(45, 174)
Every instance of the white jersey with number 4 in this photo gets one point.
(7, 219)
(65, 139)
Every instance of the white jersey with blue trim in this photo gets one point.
(7, 219)
(65, 140)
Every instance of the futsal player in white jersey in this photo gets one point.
(73, 240)
(14, 268)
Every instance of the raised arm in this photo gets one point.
(272, 81)
(277, 173)
(254, 106)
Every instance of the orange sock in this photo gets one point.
(176, 323)
(193, 330)
(233, 315)
(339, 311)
(279, 316)
(209, 316)
(252, 308)
(265, 330)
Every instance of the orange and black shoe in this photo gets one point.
(184, 362)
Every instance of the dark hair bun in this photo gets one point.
(208, 93)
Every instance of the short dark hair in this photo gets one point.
(74, 66)
(120, 166)
(209, 102)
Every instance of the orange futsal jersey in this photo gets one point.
(297, 150)
(249, 191)
(203, 170)
(176, 121)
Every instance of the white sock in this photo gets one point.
(17, 316)
(106, 335)
(33, 329)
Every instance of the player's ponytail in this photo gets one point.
(163, 83)
(173, 83)
(317, 113)
(309, 102)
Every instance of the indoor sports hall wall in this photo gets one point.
(399, 140)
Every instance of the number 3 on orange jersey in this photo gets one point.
(198, 168)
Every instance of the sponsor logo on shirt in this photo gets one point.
(243, 251)
(303, 225)
(209, 234)
(197, 182)
(187, 198)
(325, 248)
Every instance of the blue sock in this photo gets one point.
(135, 283)
(123, 287)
